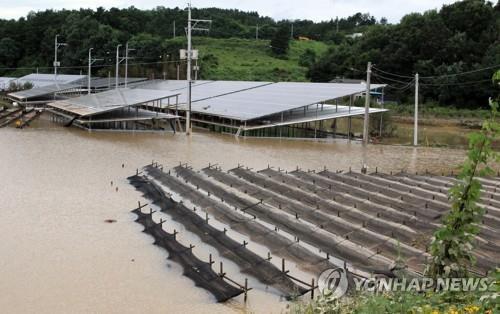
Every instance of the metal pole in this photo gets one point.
(367, 103)
(196, 70)
(55, 57)
(189, 55)
(174, 30)
(381, 114)
(117, 64)
(89, 71)
(415, 130)
(126, 63)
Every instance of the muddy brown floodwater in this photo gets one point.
(58, 255)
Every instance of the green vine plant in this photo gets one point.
(453, 243)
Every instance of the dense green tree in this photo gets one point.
(461, 37)
(281, 41)
(9, 52)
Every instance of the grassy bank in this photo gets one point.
(245, 59)
(434, 111)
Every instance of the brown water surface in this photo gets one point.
(59, 256)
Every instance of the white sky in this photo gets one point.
(316, 10)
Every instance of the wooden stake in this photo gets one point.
(312, 289)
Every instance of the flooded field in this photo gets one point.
(59, 254)
(446, 135)
(431, 135)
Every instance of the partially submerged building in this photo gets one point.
(242, 108)
(117, 109)
(267, 109)
(49, 87)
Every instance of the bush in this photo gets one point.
(308, 58)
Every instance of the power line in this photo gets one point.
(395, 87)
(439, 76)
(401, 88)
(438, 84)
(463, 73)
(458, 83)
(393, 74)
(390, 79)
(93, 66)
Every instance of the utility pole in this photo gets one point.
(190, 28)
(415, 129)
(55, 57)
(117, 64)
(367, 103)
(173, 33)
(56, 46)
(257, 32)
(188, 76)
(291, 32)
(89, 73)
(126, 62)
(118, 61)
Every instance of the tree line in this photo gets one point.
(29, 41)
(460, 37)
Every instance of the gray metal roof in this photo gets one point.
(42, 91)
(110, 100)
(40, 80)
(170, 84)
(203, 89)
(104, 82)
(5, 82)
(327, 113)
(126, 115)
(273, 98)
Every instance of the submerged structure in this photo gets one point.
(119, 108)
(197, 270)
(363, 223)
(267, 109)
(241, 108)
(49, 87)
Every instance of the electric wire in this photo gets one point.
(86, 66)
(389, 79)
(437, 76)
(457, 83)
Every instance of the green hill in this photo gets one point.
(247, 59)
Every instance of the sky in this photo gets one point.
(316, 10)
